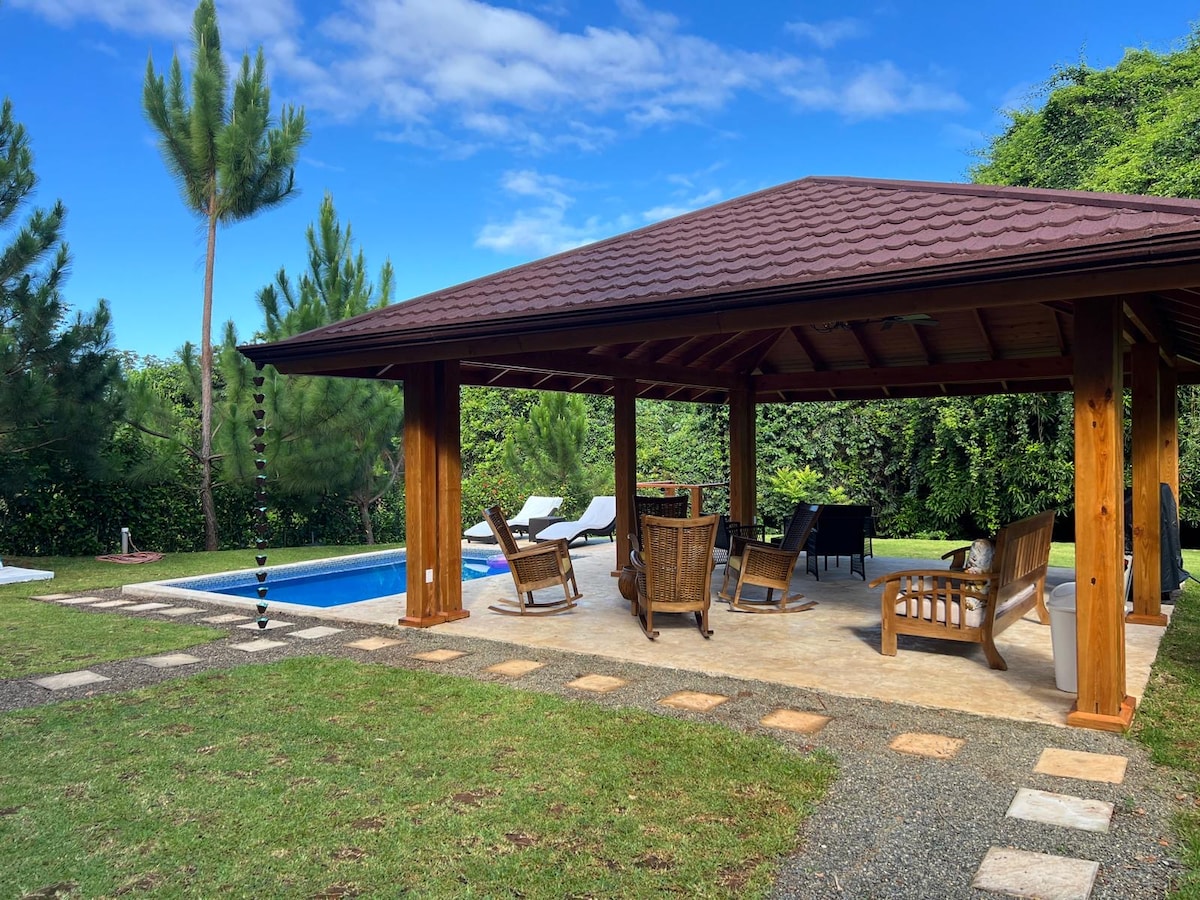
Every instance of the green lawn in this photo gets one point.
(319, 777)
(1168, 719)
(40, 638)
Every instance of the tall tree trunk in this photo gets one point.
(207, 504)
(364, 513)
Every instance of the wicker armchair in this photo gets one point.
(675, 507)
(674, 569)
(771, 566)
(542, 565)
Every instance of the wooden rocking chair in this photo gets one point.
(542, 565)
(770, 566)
(674, 569)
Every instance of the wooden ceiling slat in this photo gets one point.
(941, 374)
(984, 335)
(818, 364)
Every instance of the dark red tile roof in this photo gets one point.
(799, 235)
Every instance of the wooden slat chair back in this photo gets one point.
(542, 565)
(674, 569)
(770, 566)
(972, 607)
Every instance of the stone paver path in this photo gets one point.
(1010, 870)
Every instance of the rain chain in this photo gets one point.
(260, 495)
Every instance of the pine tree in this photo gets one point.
(57, 378)
(230, 162)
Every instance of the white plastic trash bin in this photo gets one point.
(1062, 636)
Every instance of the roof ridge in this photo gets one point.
(1179, 205)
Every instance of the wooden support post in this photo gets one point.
(624, 464)
(742, 451)
(449, 575)
(1147, 518)
(1168, 428)
(1099, 519)
(432, 495)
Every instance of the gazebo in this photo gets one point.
(824, 288)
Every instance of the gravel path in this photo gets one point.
(894, 825)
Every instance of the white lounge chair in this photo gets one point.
(534, 508)
(599, 518)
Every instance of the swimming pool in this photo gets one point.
(325, 583)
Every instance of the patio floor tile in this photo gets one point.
(68, 600)
(170, 660)
(70, 680)
(795, 720)
(1020, 873)
(374, 643)
(224, 618)
(111, 604)
(311, 634)
(1061, 809)
(600, 684)
(180, 611)
(439, 655)
(693, 701)
(271, 623)
(515, 667)
(1085, 766)
(258, 646)
(146, 607)
(936, 746)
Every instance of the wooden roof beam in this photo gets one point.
(994, 371)
(984, 335)
(1144, 316)
(581, 363)
(814, 357)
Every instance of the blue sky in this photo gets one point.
(459, 138)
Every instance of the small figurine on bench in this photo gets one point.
(958, 604)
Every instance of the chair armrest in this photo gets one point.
(557, 546)
(944, 574)
(957, 557)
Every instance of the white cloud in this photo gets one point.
(827, 34)
(877, 90)
(463, 74)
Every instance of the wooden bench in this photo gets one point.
(960, 606)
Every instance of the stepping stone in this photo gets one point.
(795, 720)
(935, 746)
(180, 611)
(439, 655)
(1085, 766)
(146, 607)
(70, 680)
(374, 643)
(57, 598)
(693, 701)
(600, 684)
(1061, 809)
(1020, 873)
(170, 660)
(68, 600)
(227, 617)
(515, 668)
(110, 604)
(311, 634)
(271, 623)
(258, 646)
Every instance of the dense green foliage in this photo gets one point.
(231, 162)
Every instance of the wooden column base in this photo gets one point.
(1118, 723)
(423, 621)
(1136, 619)
(455, 614)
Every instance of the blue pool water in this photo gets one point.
(331, 582)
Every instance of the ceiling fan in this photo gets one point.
(886, 321)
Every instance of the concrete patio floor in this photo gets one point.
(833, 648)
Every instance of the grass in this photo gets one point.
(1168, 724)
(38, 638)
(319, 777)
